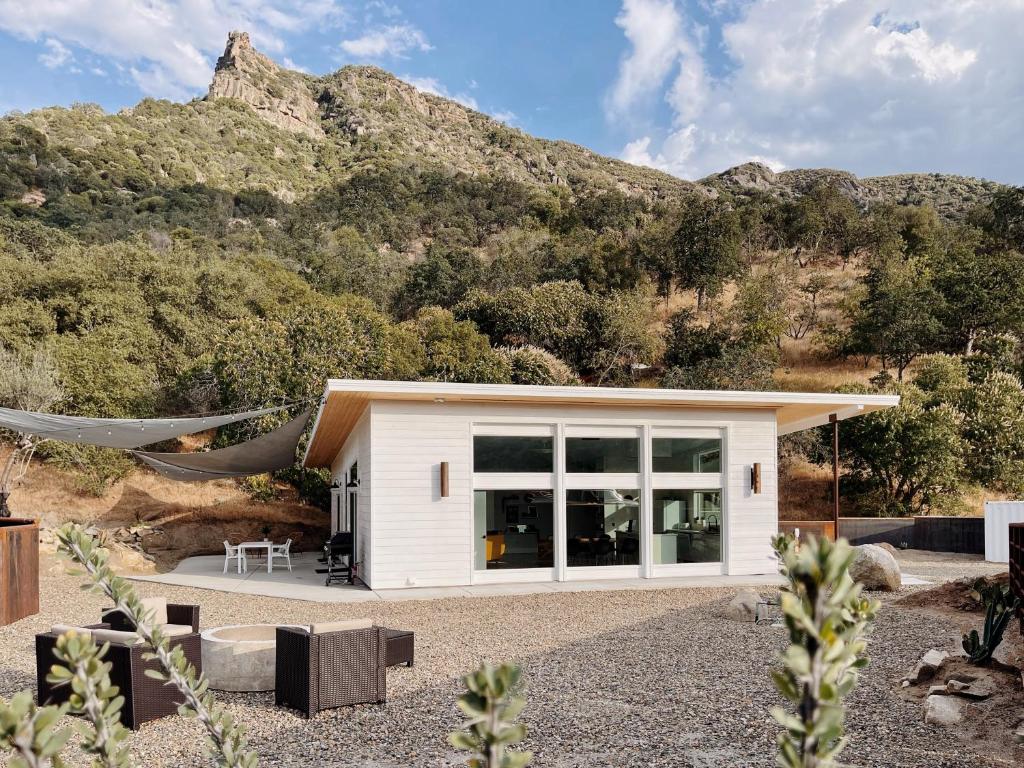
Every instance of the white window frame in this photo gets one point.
(514, 481)
(646, 480)
(695, 481)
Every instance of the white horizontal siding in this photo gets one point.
(421, 539)
(754, 518)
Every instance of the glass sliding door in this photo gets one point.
(602, 527)
(514, 529)
(687, 526)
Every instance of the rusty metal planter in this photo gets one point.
(1017, 566)
(19, 569)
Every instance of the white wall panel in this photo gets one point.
(998, 516)
(419, 538)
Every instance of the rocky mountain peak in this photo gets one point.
(747, 176)
(278, 95)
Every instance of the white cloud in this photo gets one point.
(929, 85)
(167, 46)
(660, 44)
(506, 116)
(55, 55)
(394, 41)
(436, 87)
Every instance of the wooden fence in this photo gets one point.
(817, 528)
(19, 569)
(965, 535)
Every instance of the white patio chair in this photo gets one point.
(283, 551)
(237, 553)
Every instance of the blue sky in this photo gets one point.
(689, 86)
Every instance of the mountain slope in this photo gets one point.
(949, 194)
(291, 134)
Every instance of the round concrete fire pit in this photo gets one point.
(240, 657)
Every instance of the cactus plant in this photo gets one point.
(1000, 607)
(826, 617)
(491, 704)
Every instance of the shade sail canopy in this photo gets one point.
(117, 433)
(266, 453)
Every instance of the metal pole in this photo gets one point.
(834, 419)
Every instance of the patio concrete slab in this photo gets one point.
(303, 583)
(912, 581)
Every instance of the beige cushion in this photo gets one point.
(114, 637)
(158, 605)
(176, 630)
(338, 626)
(60, 629)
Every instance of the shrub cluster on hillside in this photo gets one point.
(180, 258)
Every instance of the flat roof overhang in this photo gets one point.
(346, 399)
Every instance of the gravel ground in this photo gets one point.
(616, 679)
(945, 566)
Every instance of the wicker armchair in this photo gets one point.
(323, 670)
(176, 616)
(145, 699)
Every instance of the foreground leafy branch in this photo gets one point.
(826, 617)
(30, 732)
(82, 667)
(226, 738)
(491, 704)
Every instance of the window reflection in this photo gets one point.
(687, 526)
(602, 454)
(687, 454)
(514, 529)
(506, 453)
(602, 527)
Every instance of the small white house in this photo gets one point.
(457, 484)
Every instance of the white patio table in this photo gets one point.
(267, 545)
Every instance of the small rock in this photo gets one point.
(943, 710)
(743, 607)
(935, 658)
(875, 568)
(926, 667)
(937, 690)
(978, 689)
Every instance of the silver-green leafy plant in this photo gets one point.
(827, 618)
(30, 732)
(80, 665)
(492, 704)
(225, 737)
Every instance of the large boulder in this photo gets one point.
(743, 607)
(875, 568)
